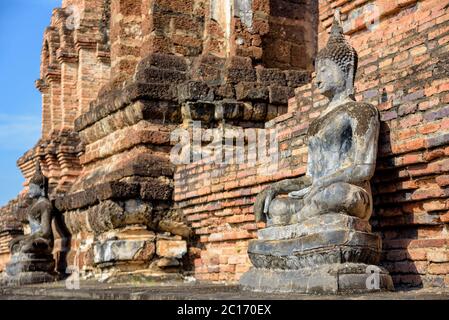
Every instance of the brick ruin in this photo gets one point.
(130, 72)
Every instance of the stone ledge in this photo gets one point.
(318, 224)
(333, 279)
(158, 288)
(152, 189)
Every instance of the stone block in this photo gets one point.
(154, 189)
(171, 248)
(280, 95)
(161, 112)
(110, 215)
(156, 75)
(176, 228)
(151, 91)
(314, 225)
(229, 110)
(269, 76)
(167, 263)
(123, 250)
(296, 78)
(327, 279)
(200, 111)
(163, 61)
(194, 90)
(251, 91)
(116, 190)
(326, 247)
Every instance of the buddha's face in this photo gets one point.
(330, 79)
(34, 191)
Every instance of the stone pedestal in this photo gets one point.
(29, 268)
(332, 253)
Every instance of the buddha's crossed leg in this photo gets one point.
(339, 197)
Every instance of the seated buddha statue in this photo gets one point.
(39, 217)
(342, 148)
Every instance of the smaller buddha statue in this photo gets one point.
(39, 218)
(31, 255)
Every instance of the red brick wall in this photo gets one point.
(275, 33)
(174, 26)
(403, 71)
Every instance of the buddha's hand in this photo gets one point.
(262, 204)
(314, 190)
(300, 193)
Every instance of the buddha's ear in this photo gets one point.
(350, 80)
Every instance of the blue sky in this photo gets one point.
(22, 23)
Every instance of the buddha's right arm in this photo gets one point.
(280, 187)
(290, 185)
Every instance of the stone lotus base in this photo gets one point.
(331, 253)
(325, 279)
(27, 278)
(26, 268)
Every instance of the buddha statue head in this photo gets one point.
(37, 183)
(336, 64)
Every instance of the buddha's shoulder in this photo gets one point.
(42, 204)
(361, 109)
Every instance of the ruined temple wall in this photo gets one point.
(9, 228)
(74, 66)
(274, 33)
(403, 71)
(123, 166)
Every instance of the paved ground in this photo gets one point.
(187, 291)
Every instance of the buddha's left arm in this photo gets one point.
(46, 217)
(364, 141)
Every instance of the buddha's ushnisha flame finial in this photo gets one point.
(38, 177)
(338, 48)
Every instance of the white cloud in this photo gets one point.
(19, 132)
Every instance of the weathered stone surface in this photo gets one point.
(280, 95)
(252, 91)
(75, 200)
(156, 91)
(156, 189)
(239, 69)
(171, 248)
(200, 111)
(230, 110)
(110, 215)
(268, 76)
(336, 278)
(23, 262)
(176, 228)
(325, 247)
(123, 250)
(167, 263)
(156, 75)
(116, 190)
(165, 111)
(194, 90)
(163, 61)
(26, 278)
(296, 78)
(315, 225)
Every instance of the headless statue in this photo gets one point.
(342, 148)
